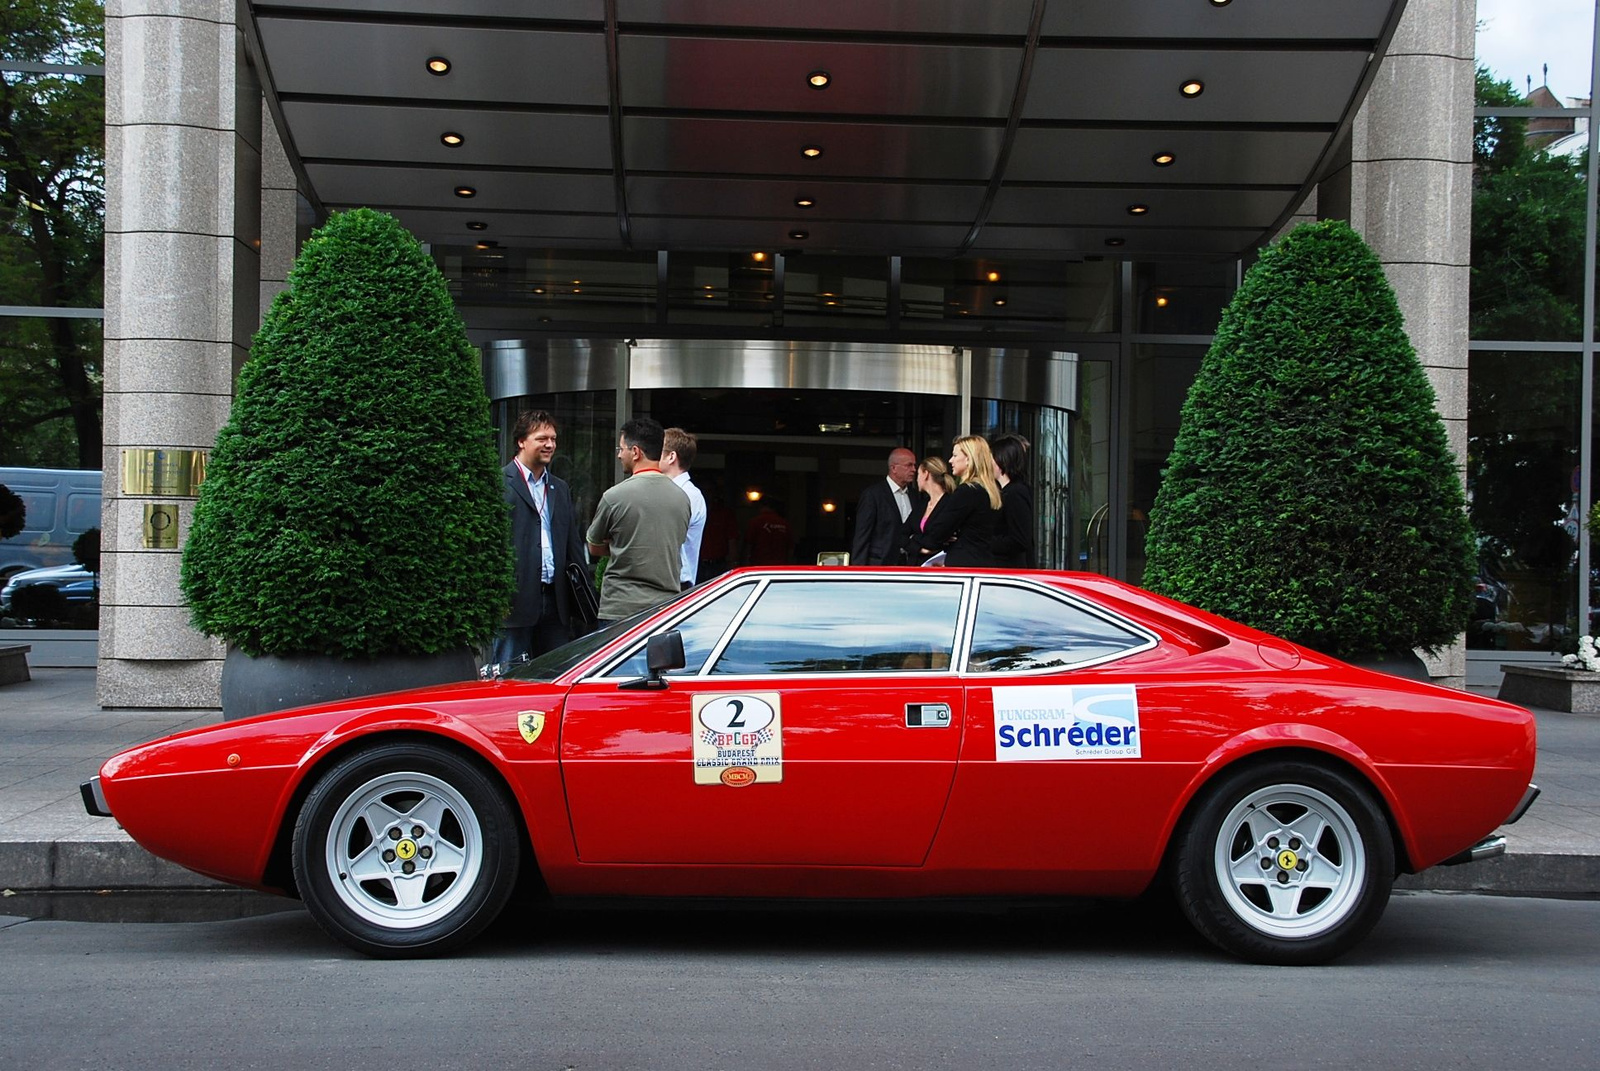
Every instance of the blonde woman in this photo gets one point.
(970, 515)
(935, 482)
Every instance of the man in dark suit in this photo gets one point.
(544, 538)
(883, 508)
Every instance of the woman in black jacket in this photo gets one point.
(934, 481)
(969, 517)
(1013, 545)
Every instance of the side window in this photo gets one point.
(846, 626)
(1022, 629)
(700, 631)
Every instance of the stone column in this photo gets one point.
(286, 215)
(183, 167)
(1408, 190)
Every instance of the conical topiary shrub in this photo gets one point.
(1311, 492)
(352, 507)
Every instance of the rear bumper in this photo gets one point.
(1495, 843)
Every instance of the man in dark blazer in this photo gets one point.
(544, 538)
(883, 508)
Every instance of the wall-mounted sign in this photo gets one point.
(161, 525)
(157, 471)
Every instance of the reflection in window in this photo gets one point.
(846, 626)
(700, 631)
(1522, 468)
(1021, 629)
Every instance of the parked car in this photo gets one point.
(61, 505)
(888, 733)
(67, 595)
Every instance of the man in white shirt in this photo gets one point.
(883, 509)
(677, 454)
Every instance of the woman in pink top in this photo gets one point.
(935, 481)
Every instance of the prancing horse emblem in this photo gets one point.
(530, 723)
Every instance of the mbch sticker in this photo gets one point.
(1066, 722)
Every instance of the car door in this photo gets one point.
(820, 727)
(1057, 720)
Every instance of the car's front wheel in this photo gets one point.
(1287, 863)
(406, 850)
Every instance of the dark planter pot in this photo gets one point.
(1405, 664)
(252, 686)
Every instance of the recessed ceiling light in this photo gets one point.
(1192, 88)
(477, 225)
(999, 301)
(1114, 242)
(577, 282)
(803, 202)
(1163, 159)
(1138, 210)
(488, 243)
(1220, 3)
(993, 277)
(811, 152)
(538, 290)
(451, 138)
(438, 65)
(1161, 302)
(466, 191)
(799, 235)
(819, 79)
(758, 257)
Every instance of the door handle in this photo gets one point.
(927, 715)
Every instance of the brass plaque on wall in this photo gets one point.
(156, 471)
(161, 525)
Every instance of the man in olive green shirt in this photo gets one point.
(641, 523)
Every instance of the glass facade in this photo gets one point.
(1530, 476)
(52, 256)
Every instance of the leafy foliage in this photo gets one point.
(52, 200)
(13, 512)
(1527, 229)
(353, 506)
(1311, 491)
(86, 550)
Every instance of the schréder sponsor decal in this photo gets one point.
(1066, 722)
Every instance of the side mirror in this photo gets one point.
(662, 652)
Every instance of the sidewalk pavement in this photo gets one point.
(53, 736)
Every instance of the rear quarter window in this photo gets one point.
(1019, 629)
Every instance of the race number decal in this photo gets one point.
(738, 739)
(1059, 722)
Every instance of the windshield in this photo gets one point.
(551, 664)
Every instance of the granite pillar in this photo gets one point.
(182, 239)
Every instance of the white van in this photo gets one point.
(62, 504)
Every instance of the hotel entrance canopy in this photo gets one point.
(940, 128)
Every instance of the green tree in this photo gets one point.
(1527, 229)
(1311, 491)
(52, 205)
(352, 506)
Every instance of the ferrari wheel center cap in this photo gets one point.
(407, 849)
(1287, 859)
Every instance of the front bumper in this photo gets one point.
(94, 799)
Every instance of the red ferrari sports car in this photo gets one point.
(856, 733)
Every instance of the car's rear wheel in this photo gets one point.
(1286, 863)
(406, 850)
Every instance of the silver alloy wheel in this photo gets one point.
(1290, 861)
(404, 850)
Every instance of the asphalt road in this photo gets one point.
(1446, 981)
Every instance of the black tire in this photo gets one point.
(1285, 863)
(397, 805)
